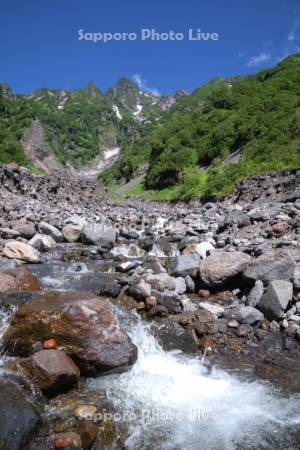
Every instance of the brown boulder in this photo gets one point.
(18, 279)
(82, 324)
(52, 371)
(279, 229)
(88, 432)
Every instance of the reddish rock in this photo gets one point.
(82, 324)
(88, 433)
(63, 442)
(50, 344)
(52, 371)
(18, 279)
(279, 229)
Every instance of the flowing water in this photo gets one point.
(174, 401)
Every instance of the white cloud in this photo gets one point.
(257, 60)
(143, 84)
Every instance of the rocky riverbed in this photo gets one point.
(110, 311)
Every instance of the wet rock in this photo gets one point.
(157, 311)
(82, 324)
(245, 314)
(206, 344)
(173, 336)
(19, 279)
(277, 264)
(50, 344)
(42, 242)
(274, 302)
(64, 443)
(127, 266)
(183, 265)
(19, 250)
(219, 268)
(88, 433)
(98, 234)
(205, 323)
(19, 417)
(255, 294)
(50, 230)
(108, 287)
(170, 300)
(52, 371)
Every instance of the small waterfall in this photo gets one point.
(172, 401)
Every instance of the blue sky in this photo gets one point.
(39, 45)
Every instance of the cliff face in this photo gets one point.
(37, 150)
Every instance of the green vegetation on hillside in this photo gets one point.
(77, 131)
(255, 117)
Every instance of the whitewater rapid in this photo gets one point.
(173, 401)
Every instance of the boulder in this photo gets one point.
(8, 233)
(71, 233)
(52, 371)
(18, 279)
(140, 291)
(82, 324)
(170, 300)
(22, 251)
(42, 242)
(50, 230)
(274, 302)
(183, 265)
(108, 287)
(161, 281)
(173, 336)
(221, 267)
(26, 230)
(19, 417)
(98, 234)
(245, 314)
(276, 264)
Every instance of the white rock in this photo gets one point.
(22, 251)
(214, 308)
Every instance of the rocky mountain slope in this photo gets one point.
(60, 130)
